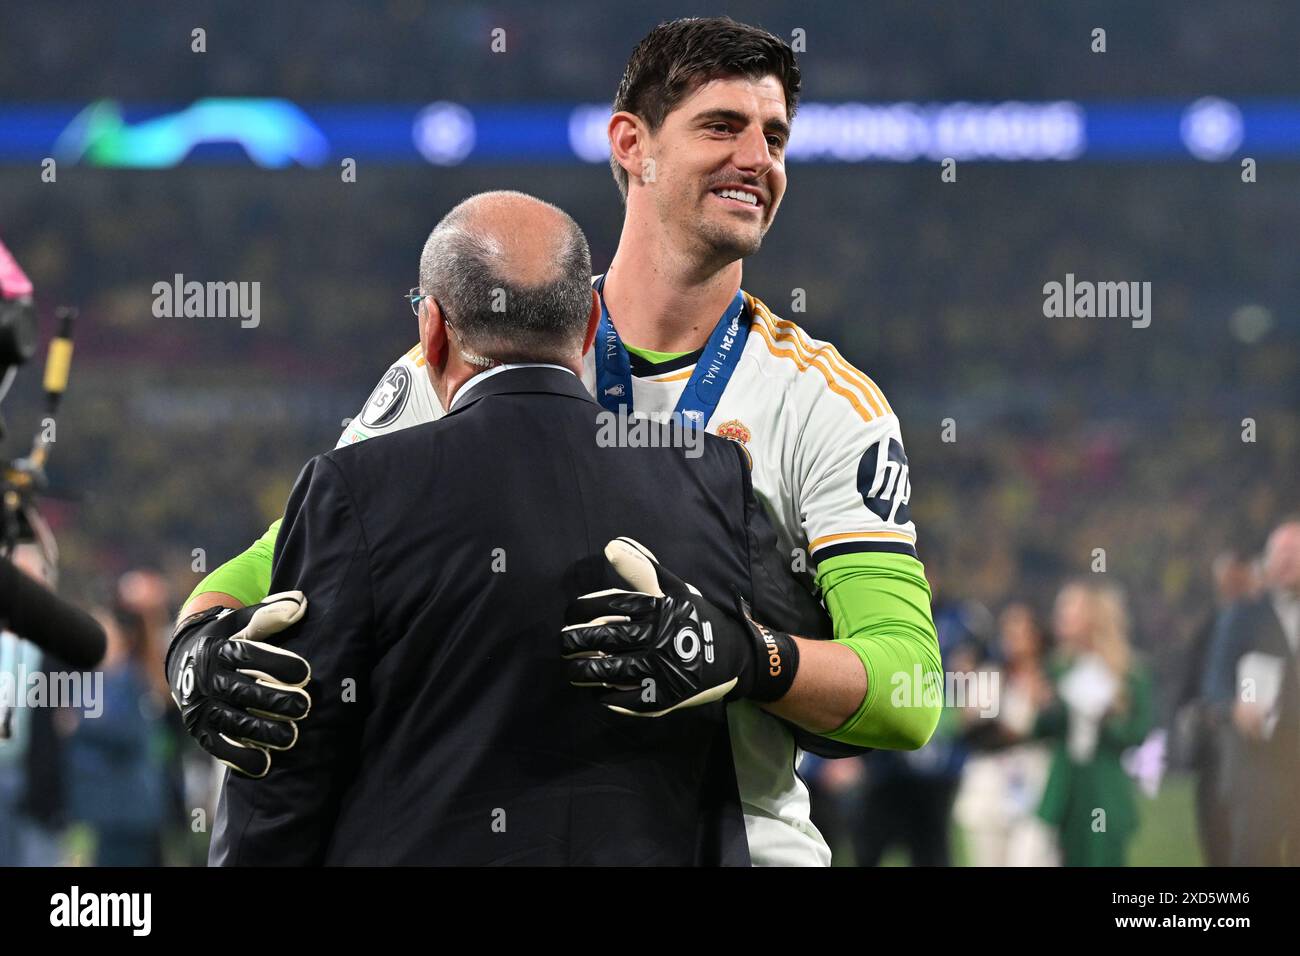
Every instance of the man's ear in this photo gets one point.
(627, 143)
(593, 320)
(433, 333)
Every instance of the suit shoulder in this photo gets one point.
(729, 454)
(394, 452)
(724, 464)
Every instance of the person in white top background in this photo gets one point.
(1003, 778)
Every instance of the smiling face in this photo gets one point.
(718, 164)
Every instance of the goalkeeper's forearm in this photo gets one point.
(879, 683)
(828, 687)
(242, 581)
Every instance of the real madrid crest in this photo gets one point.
(736, 430)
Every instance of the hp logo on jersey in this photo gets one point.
(884, 483)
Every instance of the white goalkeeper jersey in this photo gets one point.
(829, 467)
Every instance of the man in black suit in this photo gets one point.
(440, 561)
(1194, 723)
(1253, 683)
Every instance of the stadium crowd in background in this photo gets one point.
(970, 51)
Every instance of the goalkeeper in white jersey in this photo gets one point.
(698, 141)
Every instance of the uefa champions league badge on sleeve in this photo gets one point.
(388, 399)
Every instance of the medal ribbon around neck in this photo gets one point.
(703, 391)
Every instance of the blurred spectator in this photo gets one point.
(1102, 706)
(1003, 779)
(1252, 683)
(115, 776)
(145, 610)
(908, 802)
(142, 596)
(909, 795)
(837, 792)
(1235, 579)
(26, 744)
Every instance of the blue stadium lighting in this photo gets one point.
(277, 134)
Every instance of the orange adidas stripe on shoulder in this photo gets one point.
(416, 354)
(786, 331)
(814, 358)
(837, 360)
(820, 355)
(803, 366)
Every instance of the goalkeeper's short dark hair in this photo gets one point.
(676, 58)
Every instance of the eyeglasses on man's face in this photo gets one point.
(415, 296)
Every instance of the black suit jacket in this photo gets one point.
(437, 563)
(1260, 777)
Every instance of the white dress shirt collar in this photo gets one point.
(470, 383)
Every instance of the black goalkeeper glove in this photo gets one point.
(662, 646)
(240, 698)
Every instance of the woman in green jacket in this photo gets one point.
(1101, 707)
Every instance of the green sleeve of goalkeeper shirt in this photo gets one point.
(247, 576)
(880, 607)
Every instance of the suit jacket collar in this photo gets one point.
(522, 381)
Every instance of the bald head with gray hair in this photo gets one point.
(512, 276)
